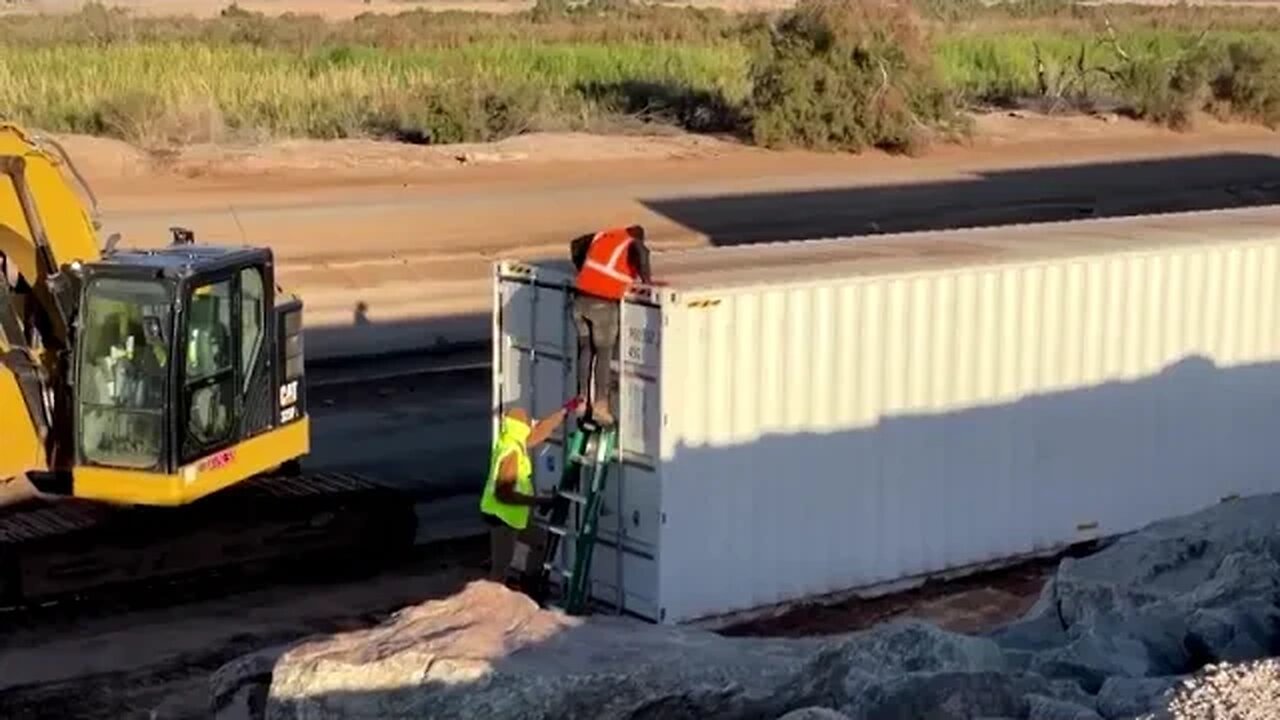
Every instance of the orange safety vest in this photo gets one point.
(607, 271)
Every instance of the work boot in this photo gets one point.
(602, 416)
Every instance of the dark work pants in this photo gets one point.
(597, 322)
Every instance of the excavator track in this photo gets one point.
(60, 550)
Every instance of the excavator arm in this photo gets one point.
(45, 228)
(24, 420)
(44, 225)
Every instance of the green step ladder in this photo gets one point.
(589, 451)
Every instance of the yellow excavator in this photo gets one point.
(156, 399)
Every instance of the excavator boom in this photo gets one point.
(41, 236)
(37, 240)
(44, 225)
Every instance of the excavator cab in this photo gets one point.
(188, 374)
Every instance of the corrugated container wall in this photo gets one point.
(807, 436)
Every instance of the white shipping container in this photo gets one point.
(800, 419)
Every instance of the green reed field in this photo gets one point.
(838, 74)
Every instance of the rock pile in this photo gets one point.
(1120, 634)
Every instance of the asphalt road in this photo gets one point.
(427, 433)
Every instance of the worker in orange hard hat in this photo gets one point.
(608, 262)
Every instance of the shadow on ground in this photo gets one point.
(365, 340)
(1031, 195)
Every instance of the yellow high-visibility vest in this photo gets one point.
(512, 435)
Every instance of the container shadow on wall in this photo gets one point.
(919, 493)
(1029, 195)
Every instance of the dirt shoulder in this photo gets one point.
(122, 172)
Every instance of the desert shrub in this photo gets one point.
(845, 75)
(466, 111)
(1247, 83)
(1238, 79)
(1164, 87)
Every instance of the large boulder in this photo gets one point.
(1218, 557)
(1125, 697)
(960, 695)
(490, 652)
(1161, 602)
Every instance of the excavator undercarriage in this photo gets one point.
(52, 551)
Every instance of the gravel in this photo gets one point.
(1229, 691)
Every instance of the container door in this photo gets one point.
(534, 361)
(626, 554)
(533, 349)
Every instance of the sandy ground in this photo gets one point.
(973, 604)
(391, 246)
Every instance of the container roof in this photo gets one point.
(906, 253)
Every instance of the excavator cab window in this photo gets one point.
(209, 381)
(123, 372)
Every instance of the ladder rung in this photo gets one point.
(573, 496)
(554, 529)
(552, 567)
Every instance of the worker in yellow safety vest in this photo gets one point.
(509, 494)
